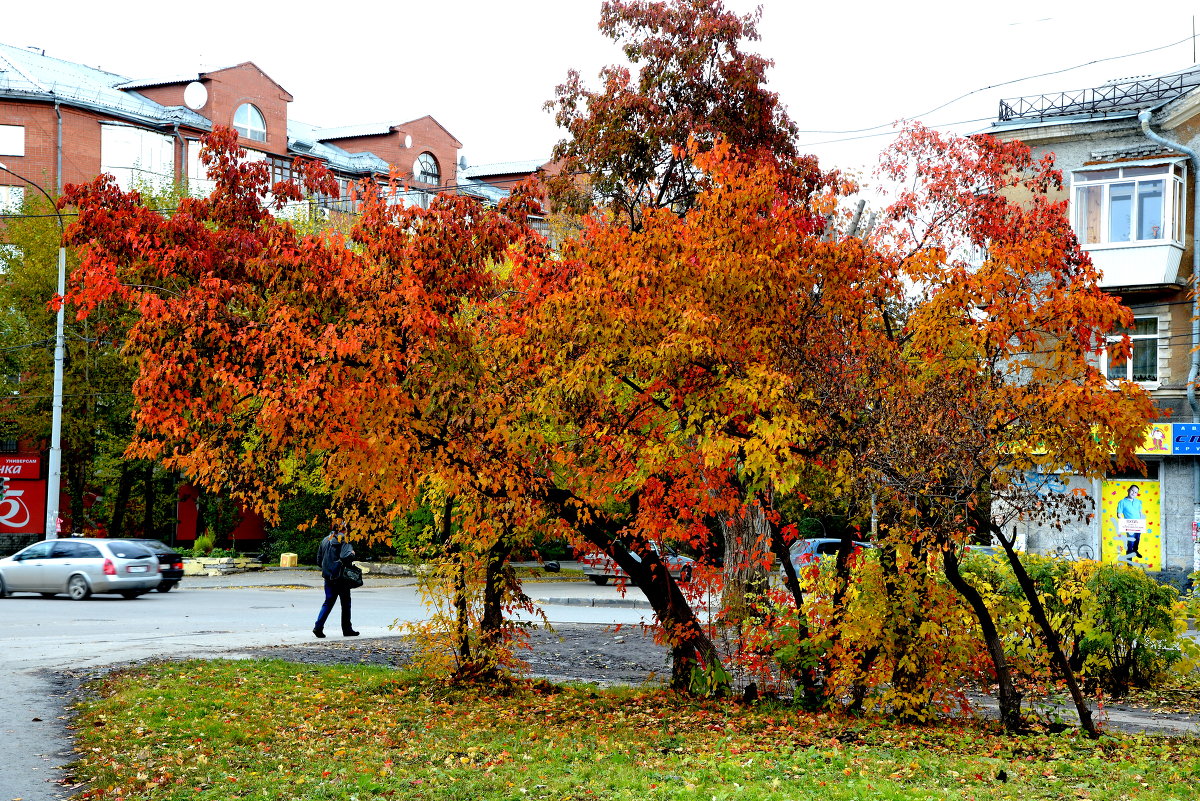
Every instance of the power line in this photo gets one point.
(997, 86)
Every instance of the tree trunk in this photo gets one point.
(149, 497)
(492, 619)
(116, 525)
(690, 646)
(1049, 635)
(809, 685)
(462, 620)
(907, 673)
(747, 536)
(1010, 699)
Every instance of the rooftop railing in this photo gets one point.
(1101, 100)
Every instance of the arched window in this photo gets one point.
(248, 121)
(426, 169)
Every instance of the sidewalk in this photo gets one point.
(275, 576)
(560, 593)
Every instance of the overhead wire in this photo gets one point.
(979, 90)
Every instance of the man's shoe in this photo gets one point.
(320, 633)
(350, 633)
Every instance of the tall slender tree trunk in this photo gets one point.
(809, 685)
(1049, 635)
(907, 673)
(491, 623)
(1006, 693)
(462, 622)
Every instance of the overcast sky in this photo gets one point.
(484, 68)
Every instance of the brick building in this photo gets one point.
(63, 122)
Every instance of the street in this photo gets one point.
(203, 617)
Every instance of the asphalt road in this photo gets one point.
(205, 617)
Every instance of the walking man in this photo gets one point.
(333, 554)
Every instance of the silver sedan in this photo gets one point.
(80, 567)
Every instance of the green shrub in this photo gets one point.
(204, 544)
(1119, 627)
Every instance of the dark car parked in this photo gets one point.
(170, 562)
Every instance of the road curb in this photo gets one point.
(628, 603)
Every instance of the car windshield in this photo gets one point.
(129, 550)
(156, 546)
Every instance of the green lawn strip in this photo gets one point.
(275, 730)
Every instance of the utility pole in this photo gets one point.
(54, 466)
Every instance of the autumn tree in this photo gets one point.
(993, 356)
(631, 145)
(691, 80)
(266, 355)
(97, 382)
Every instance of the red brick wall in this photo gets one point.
(81, 143)
(427, 137)
(230, 88)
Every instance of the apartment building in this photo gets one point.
(1127, 150)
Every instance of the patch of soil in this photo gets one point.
(570, 652)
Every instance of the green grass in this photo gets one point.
(274, 730)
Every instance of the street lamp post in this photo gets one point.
(54, 468)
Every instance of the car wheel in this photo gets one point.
(129, 595)
(685, 575)
(599, 581)
(78, 588)
(3, 589)
(166, 586)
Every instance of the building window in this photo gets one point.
(426, 169)
(1142, 365)
(137, 158)
(248, 122)
(12, 140)
(282, 170)
(1122, 205)
(11, 198)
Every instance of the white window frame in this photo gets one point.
(12, 140)
(1102, 178)
(250, 122)
(1154, 340)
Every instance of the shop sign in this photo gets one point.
(1185, 438)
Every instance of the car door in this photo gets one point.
(70, 557)
(25, 573)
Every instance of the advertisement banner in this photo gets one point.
(26, 468)
(1158, 440)
(1131, 523)
(23, 508)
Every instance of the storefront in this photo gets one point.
(1144, 520)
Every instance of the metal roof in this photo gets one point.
(146, 84)
(503, 168)
(486, 192)
(350, 131)
(30, 75)
(303, 141)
